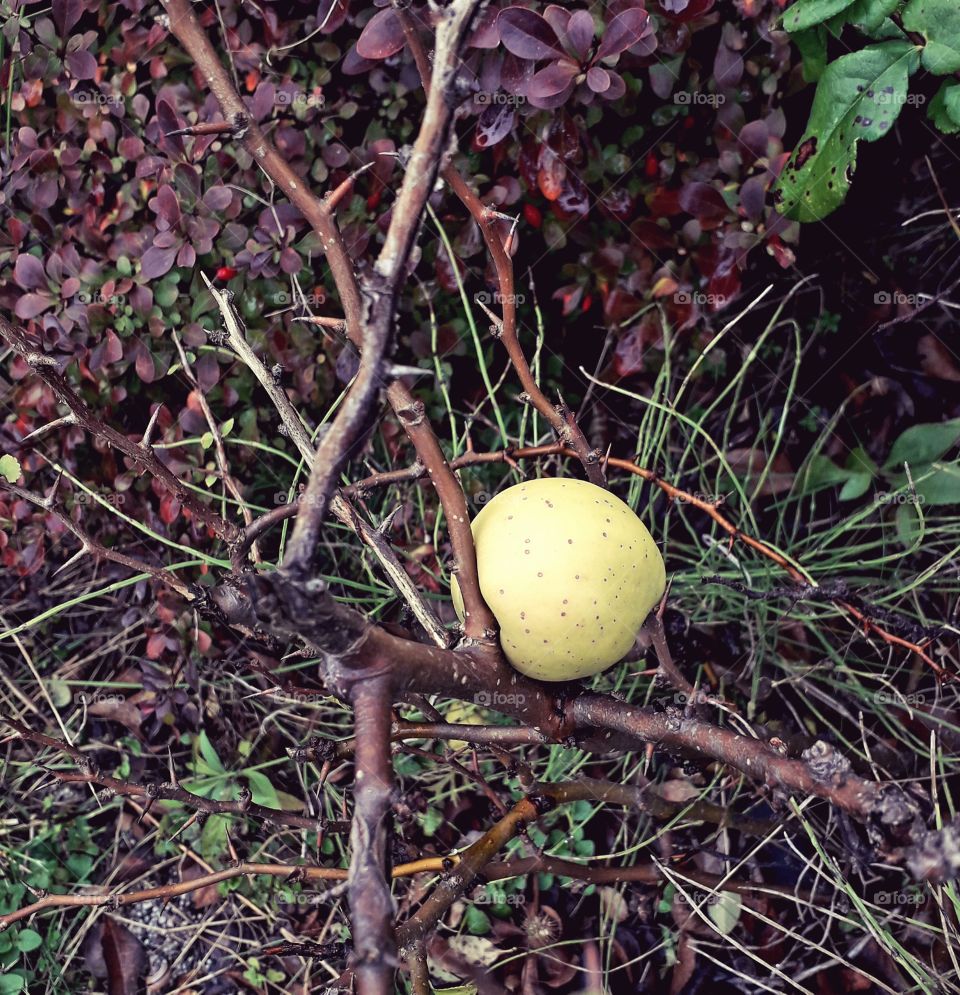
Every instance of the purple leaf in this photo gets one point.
(290, 261)
(66, 13)
(156, 262)
(187, 255)
(494, 124)
(580, 34)
(218, 198)
(598, 80)
(30, 305)
(617, 86)
(169, 121)
(551, 80)
(355, 64)
(527, 34)
(166, 206)
(381, 37)
(28, 272)
(82, 64)
(484, 33)
(624, 30)
(703, 201)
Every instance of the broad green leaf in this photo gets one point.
(856, 486)
(10, 984)
(28, 939)
(806, 13)
(944, 109)
(812, 44)
(858, 98)
(859, 461)
(939, 22)
(869, 16)
(941, 487)
(920, 445)
(724, 910)
(261, 790)
(476, 921)
(468, 989)
(10, 468)
(821, 472)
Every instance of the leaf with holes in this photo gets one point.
(939, 22)
(858, 98)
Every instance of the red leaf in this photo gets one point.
(169, 509)
(381, 37)
(528, 35)
(551, 175)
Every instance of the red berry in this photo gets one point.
(226, 273)
(533, 215)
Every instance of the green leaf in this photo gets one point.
(724, 910)
(859, 461)
(812, 44)
(476, 921)
(209, 753)
(869, 16)
(10, 984)
(28, 939)
(206, 440)
(261, 790)
(856, 486)
(10, 468)
(922, 444)
(858, 98)
(941, 487)
(944, 109)
(908, 525)
(939, 22)
(227, 427)
(821, 472)
(806, 13)
(468, 989)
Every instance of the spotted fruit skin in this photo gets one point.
(569, 571)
